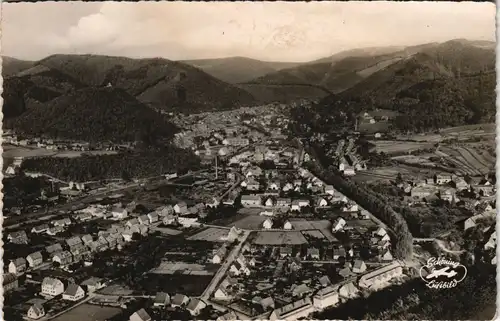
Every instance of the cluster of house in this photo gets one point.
(306, 299)
(13, 168)
(348, 161)
(49, 144)
(445, 187)
(162, 299)
(281, 157)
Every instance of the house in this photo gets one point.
(329, 190)
(17, 266)
(267, 303)
(313, 253)
(324, 281)
(442, 178)
(255, 172)
(350, 208)
(229, 316)
(293, 311)
(301, 290)
(348, 290)
(62, 222)
(267, 224)
(338, 253)
(133, 222)
(326, 297)
(419, 192)
(287, 225)
(484, 189)
(93, 284)
(321, 202)
(143, 219)
(381, 275)
(472, 221)
(40, 229)
(219, 255)
(18, 237)
(87, 239)
(448, 195)
(222, 294)
(269, 202)
(287, 187)
(283, 202)
(161, 299)
(36, 311)
(153, 217)
(180, 208)
(349, 171)
(491, 244)
(34, 259)
(295, 205)
(74, 292)
(252, 185)
(338, 224)
(387, 256)
(63, 258)
(359, 266)
(274, 186)
(237, 268)
(460, 184)
(52, 286)
(140, 315)
(179, 300)
(381, 232)
(74, 242)
(195, 306)
(250, 200)
(10, 282)
(267, 213)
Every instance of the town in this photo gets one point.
(253, 235)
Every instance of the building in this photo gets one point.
(321, 202)
(443, 179)
(293, 311)
(18, 237)
(313, 253)
(283, 202)
(36, 311)
(40, 229)
(93, 284)
(222, 294)
(287, 225)
(140, 315)
(250, 201)
(52, 287)
(267, 224)
(195, 306)
(338, 224)
(10, 282)
(219, 255)
(179, 300)
(348, 290)
(359, 266)
(74, 292)
(181, 208)
(34, 259)
(326, 297)
(161, 299)
(17, 266)
(63, 258)
(381, 275)
(229, 316)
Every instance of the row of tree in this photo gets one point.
(126, 165)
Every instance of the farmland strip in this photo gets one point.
(481, 158)
(471, 161)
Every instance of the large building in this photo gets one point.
(381, 275)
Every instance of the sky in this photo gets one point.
(272, 31)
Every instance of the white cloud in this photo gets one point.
(272, 31)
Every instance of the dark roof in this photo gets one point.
(72, 289)
(8, 278)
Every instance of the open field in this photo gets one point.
(116, 289)
(390, 173)
(279, 238)
(468, 160)
(394, 146)
(314, 234)
(10, 151)
(191, 285)
(469, 131)
(211, 234)
(184, 268)
(303, 224)
(251, 222)
(89, 312)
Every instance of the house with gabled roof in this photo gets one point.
(17, 266)
(18, 237)
(63, 258)
(40, 228)
(179, 300)
(338, 224)
(52, 287)
(74, 292)
(34, 259)
(161, 299)
(195, 306)
(293, 311)
(359, 266)
(326, 297)
(36, 311)
(140, 315)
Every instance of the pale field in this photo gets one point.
(251, 222)
(279, 238)
(10, 151)
(211, 234)
(394, 146)
(181, 268)
(89, 312)
(116, 289)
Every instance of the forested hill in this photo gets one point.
(94, 115)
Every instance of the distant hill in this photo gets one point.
(343, 71)
(238, 69)
(94, 115)
(11, 66)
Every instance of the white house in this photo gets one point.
(269, 202)
(326, 297)
(52, 286)
(119, 213)
(195, 306)
(295, 206)
(161, 299)
(180, 208)
(222, 294)
(287, 225)
(74, 292)
(17, 266)
(179, 300)
(321, 202)
(36, 311)
(267, 224)
(359, 266)
(250, 200)
(34, 259)
(219, 255)
(338, 224)
(381, 275)
(140, 315)
(293, 311)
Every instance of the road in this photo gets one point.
(224, 268)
